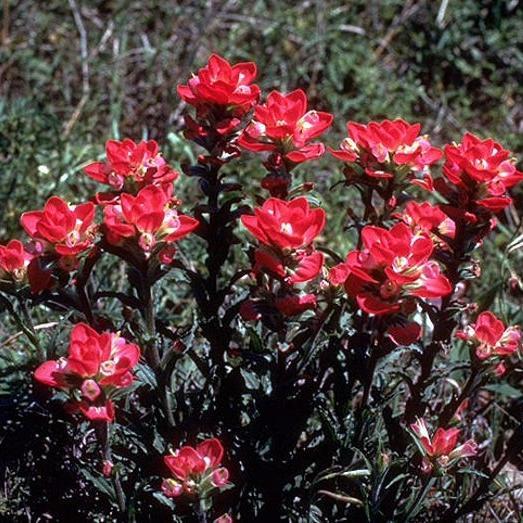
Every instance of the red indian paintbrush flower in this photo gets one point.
(393, 268)
(196, 470)
(131, 166)
(221, 84)
(285, 225)
(96, 365)
(491, 338)
(442, 450)
(284, 125)
(479, 172)
(150, 218)
(387, 149)
(430, 219)
(287, 229)
(14, 260)
(60, 228)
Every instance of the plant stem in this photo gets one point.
(152, 354)
(450, 409)
(474, 503)
(443, 328)
(104, 431)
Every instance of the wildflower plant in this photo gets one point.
(291, 379)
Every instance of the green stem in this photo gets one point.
(450, 410)
(104, 433)
(152, 354)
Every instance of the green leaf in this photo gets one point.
(252, 382)
(102, 484)
(164, 500)
(504, 389)
(146, 375)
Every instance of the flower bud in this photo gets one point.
(172, 488)
(220, 477)
(90, 390)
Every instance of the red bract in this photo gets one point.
(64, 229)
(383, 148)
(196, 470)
(221, 84)
(285, 225)
(481, 172)
(131, 166)
(150, 218)
(14, 260)
(491, 338)
(287, 229)
(441, 451)
(393, 267)
(389, 273)
(428, 218)
(284, 125)
(96, 365)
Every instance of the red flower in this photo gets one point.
(65, 229)
(430, 219)
(150, 218)
(285, 225)
(392, 268)
(131, 166)
(481, 171)
(441, 451)
(287, 229)
(383, 148)
(194, 468)
(284, 125)
(491, 338)
(221, 84)
(95, 365)
(14, 260)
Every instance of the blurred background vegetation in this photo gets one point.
(74, 73)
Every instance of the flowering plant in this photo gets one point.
(297, 375)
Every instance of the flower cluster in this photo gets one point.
(14, 261)
(222, 95)
(196, 471)
(391, 271)
(148, 220)
(61, 229)
(96, 366)
(283, 125)
(387, 150)
(478, 173)
(441, 452)
(491, 340)
(286, 231)
(130, 166)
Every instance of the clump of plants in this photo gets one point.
(224, 359)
